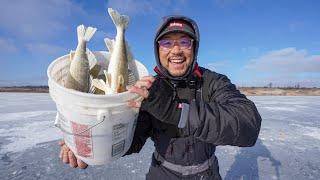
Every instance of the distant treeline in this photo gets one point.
(40, 89)
(246, 90)
(271, 85)
(278, 87)
(28, 86)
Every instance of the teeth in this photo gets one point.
(176, 59)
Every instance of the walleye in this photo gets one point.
(133, 74)
(78, 77)
(117, 76)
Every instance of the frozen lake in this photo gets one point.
(288, 145)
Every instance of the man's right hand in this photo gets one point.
(67, 156)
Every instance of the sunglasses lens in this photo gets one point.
(167, 43)
(186, 43)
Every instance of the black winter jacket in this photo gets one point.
(223, 116)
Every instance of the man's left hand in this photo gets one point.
(141, 87)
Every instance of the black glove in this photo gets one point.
(162, 102)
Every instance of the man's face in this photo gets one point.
(176, 59)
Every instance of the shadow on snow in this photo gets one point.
(245, 165)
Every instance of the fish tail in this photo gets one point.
(85, 33)
(89, 33)
(109, 43)
(121, 21)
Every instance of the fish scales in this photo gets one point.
(118, 66)
(78, 76)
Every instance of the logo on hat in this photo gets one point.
(176, 24)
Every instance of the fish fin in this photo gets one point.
(95, 70)
(85, 33)
(99, 83)
(107, 87)
(121, 87)
(131, 62)
(119, 20)
(102, 82)
(108, 78)
(131, 77)
(109, 43)
(92, 59)
(129, 52)
(92, 88)
(71, 55)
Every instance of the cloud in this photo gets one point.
(34, 19)
(7, 45)
(43, 20)
(44, 48)
(285, 67)
(288, 60)
(219, 66)
(142, 7)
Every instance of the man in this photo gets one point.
(187, 111)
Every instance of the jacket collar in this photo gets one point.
(196, 71)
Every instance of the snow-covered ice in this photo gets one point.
(288, 146)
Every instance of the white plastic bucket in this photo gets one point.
(97, 128)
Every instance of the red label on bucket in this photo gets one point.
(82, 139)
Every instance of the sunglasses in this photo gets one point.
(167, 44)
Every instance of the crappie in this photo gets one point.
(78, 77)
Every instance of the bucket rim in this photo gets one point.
(89, 95)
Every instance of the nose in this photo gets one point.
(176, 49)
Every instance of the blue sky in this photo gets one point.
(253, 42)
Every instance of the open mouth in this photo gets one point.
(177, 63)
(177, 60)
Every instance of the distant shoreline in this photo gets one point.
(25, 89)
(248, 91)
(264, 91)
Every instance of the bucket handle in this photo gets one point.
(101, 116)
